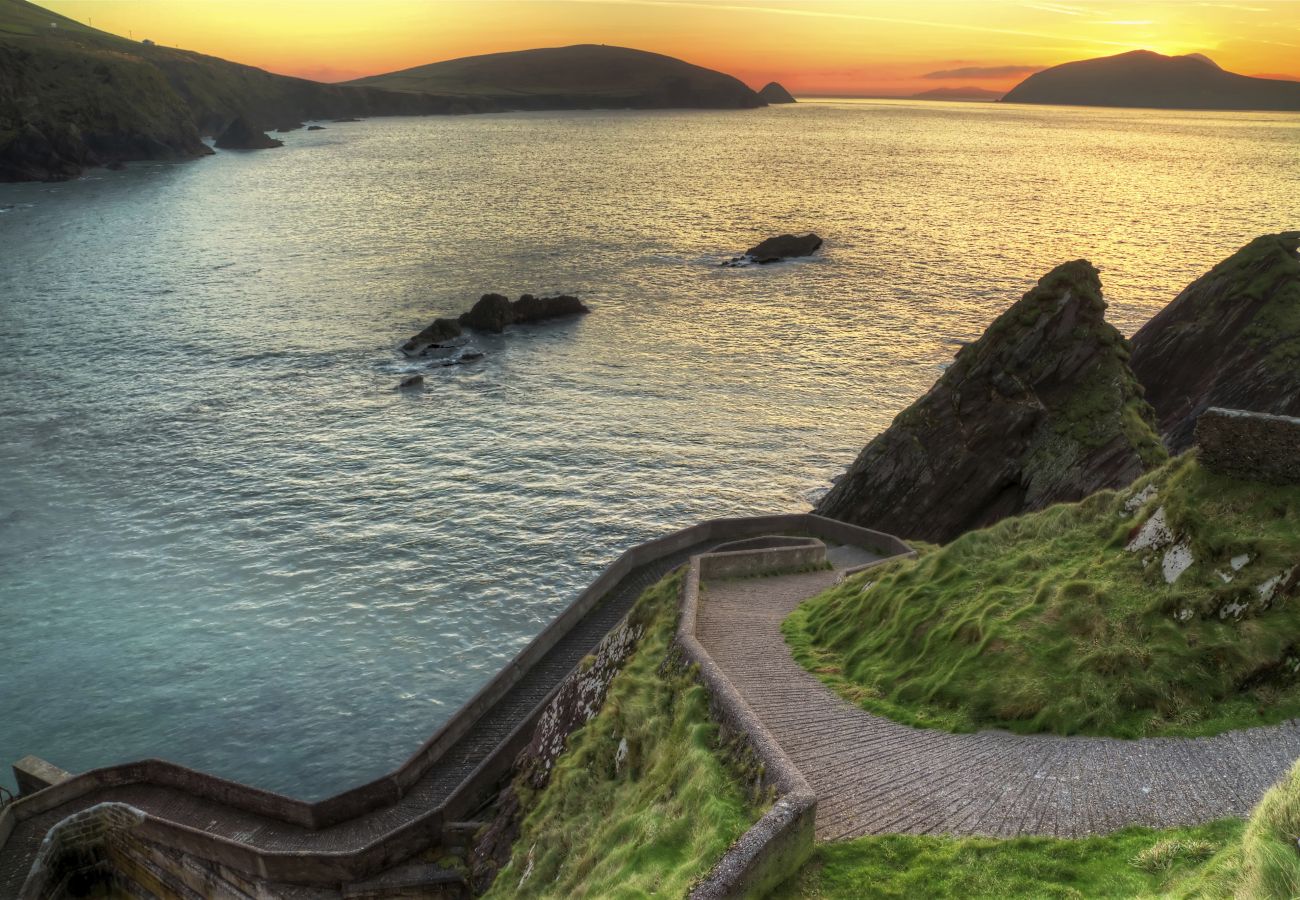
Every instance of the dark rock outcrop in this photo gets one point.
(239, 135)
(775, 249)
(774, 93)
(1230, 339)
(289, 126)
(1143, 78)
(1042, 409)
(315, 127)
(410, 382)
(435, 335)
(493, 312)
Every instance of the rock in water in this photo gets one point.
(774, 93)
(315, 127)
(492, 312)
(1230, 339)
(534, 309)
(441, 330)
(411, 381)
(775, 249)
(239, 135)
(1042, 409)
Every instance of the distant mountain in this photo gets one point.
(773, 92)
(1143, 78)
(585, 76)
(73, 97)
(957, 93)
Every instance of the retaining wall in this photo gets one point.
(1250, 445)
(776, 846)
(333, 867)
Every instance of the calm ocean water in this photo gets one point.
(226, 540)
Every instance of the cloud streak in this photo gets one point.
(984, 72)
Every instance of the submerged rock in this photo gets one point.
(1042, 409)
(239, 135)
(411, 381)
(1230, 339)
(315, 127)
(433, 336)
(775, 249)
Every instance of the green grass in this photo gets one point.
(1046, 623)
(1256, 859)
(658, 822)
(1135, 862)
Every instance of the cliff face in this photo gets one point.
(1143, 78)
(1230, 339)
(1041, 409)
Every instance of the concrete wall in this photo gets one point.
(308, 866)
(1249, 445)
(763, 560)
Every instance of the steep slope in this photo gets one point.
(72, 97)
(577, 77)
(1143, 78)
(772, 92)
(1041, 409)
(1167, 609)
(1230, 339)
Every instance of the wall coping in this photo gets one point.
(782, 839)
(320, 866)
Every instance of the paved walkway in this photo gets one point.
(875, 776)
(435, 787)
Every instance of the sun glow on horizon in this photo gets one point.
(816, 47)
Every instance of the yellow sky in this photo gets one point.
(813, 46)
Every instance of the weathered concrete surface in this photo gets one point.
(1250, 445)
(875, 776)
(33, 773)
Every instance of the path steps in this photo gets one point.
(875, 776)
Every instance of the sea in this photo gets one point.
(227, 539)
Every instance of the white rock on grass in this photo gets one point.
(1234, 609)
(620, 755)
(1225, 576)
(1268, 589)
(1153, 534)
(1178, 559)
(1138, 500)
(1239, 562)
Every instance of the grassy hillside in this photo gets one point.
(583, 75)
(1143, 78)
(73, 96)
(652, 822)
(1257, 859)
(1168, 608)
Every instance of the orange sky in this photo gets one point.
(812, 46)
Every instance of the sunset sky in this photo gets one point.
(863, 47)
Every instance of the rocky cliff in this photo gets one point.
(773, 92)
(1230, 339)
(1041, 409)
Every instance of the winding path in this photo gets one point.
(875, 776)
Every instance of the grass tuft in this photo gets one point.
(659, 819)
(1047, 623)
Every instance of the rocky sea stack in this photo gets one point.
(1230, 339)
(1041, 409)
(774, 93)
(240, 135)
(493, 312)
(775, 249)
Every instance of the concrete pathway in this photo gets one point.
(875, 776)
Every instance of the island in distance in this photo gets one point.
(1144, 79)
(584, 76)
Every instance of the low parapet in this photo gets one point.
(1250, 445)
